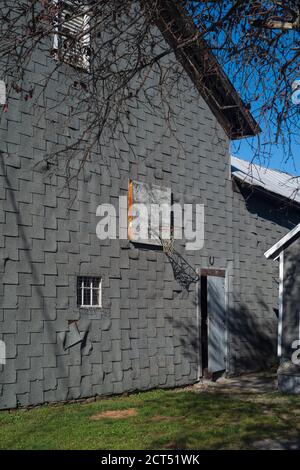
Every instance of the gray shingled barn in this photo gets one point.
(153, 327)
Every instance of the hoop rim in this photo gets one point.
(167, 243)
(168, 229)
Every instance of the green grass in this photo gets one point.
(191, 420)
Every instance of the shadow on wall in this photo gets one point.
(32, 308)
(251, 343)
(280, 212)
(252, 339)
(291, 297)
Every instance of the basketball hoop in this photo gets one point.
(167, 240)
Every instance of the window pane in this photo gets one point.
(86, 297)
(96, 296)
(95, 282)
(88, 291)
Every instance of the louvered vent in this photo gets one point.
(72, 41)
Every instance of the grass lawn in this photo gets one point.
(159, 420)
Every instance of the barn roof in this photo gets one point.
(276, 182)
(204, 70)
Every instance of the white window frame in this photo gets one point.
(91, 289)
(85, 41)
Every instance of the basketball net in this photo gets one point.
(167, 240)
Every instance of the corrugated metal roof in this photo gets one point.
(276, 182)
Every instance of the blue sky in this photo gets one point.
(278, 160)
(262, 87)
(285, 156)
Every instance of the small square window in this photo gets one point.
(89, 292)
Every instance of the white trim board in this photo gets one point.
(285, 241)
(280, 316)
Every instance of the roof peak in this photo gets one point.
(205, 71)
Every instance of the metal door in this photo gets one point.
(216, 312)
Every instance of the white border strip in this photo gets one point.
(280, 319)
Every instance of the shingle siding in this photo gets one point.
(146, 334)
(259, 222)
